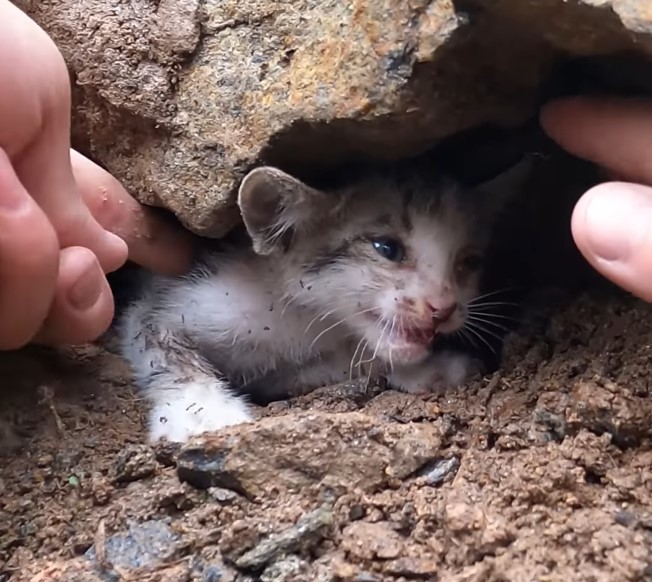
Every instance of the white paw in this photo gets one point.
(192, 410)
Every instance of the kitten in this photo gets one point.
(355, 279)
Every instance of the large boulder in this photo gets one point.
(179, 98)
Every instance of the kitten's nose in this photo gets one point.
(442, 313)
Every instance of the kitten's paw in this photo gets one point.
(443, 371)
(192, 410)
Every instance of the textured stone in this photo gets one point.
(308, 531)
(179, 98)
(145, 544)
(348, 450)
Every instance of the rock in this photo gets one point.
(135, 462)
(306, 533)
(437, 472)
(144, 545)
(288, 453)
(413, 567)
(371, 541)
(81, 570)
(225, 496)
(288, 570)
(78, 570)
(180, 98)
(212, 569)
(606, 408)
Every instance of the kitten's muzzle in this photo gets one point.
(427, 319)
(442, 314)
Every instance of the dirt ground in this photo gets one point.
(538, 472)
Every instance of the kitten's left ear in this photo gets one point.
(491, 196)
(274, 206)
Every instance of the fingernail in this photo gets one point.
(616, 220)
(86, 291)
(118, 253)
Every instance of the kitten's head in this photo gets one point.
(395, 255)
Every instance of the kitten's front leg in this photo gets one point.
(187, 396)
(184, 409)
(447, 369)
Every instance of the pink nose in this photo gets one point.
(442, 314)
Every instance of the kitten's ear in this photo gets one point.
(274, 206)
(494, 194)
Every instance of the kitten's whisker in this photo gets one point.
(324, 313)
(327, 312)
(391, 331)
(491, 294)
(339, 323)
(494, 315)
(493, 304)
(488, 322)
(467, 337)
(286, 304)
(351, 366)
(360, 362)
(483, 329)
(380, 339)
(373, 357)
(483, 340)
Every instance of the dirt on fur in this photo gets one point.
(540, 471)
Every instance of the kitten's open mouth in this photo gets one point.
(415, 335)
(404, 332)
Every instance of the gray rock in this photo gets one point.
(144, 545)
(287, 570)
(437, 472)
(305, 533)
(180, 98)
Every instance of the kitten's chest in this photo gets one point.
(243, 323)
(262, 335)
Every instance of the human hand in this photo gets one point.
(56, 223)
(612, 222)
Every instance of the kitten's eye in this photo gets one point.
(471, 263)
(389, 248)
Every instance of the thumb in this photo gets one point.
(612, 227)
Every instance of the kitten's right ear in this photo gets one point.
(274, 206)
(493, 195)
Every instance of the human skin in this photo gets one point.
(64, 221)
(612, 222)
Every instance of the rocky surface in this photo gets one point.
(538, 472)
(179, 98)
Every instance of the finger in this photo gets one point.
(83, 304)
(62, 202)
(612, 227)
(612, 132)
(29, 257)
(35, 132)
(153, 242)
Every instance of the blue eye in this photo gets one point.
(389, 248)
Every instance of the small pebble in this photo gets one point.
(436, 473)
(135, 462)
(222, 495)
